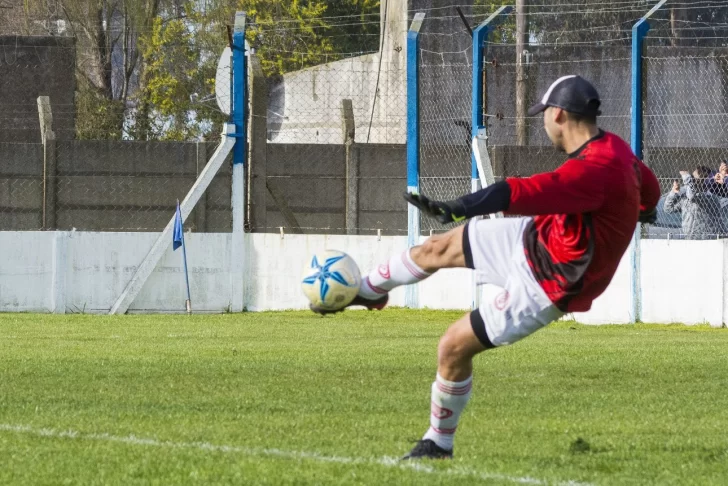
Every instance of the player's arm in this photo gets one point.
(649, 194)
(575, 187)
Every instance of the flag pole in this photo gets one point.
(188, 302)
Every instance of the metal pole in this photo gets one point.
(238, 117)
(639, 31)
(521, 43)
(480, 37)
(413, 142)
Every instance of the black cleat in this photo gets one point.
(427, 449)
(377, 304)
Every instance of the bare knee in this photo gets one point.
(452, 351)
(440, 251)
(431, 254)
(456, 349)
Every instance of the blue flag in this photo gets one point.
(178, 230)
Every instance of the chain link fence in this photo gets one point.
(333, 156)
(564, 39)
(327, 124)
(83, 122)
(445, 65)
(90, 185)
(685, 120)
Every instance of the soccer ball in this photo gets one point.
(331, 280)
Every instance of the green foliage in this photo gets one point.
(174, 69)
(288, 35)
(97, 116)
(294, 395)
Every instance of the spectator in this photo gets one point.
(719, 183)
(700, 208)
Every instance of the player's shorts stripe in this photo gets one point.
(478, 325)
(416, 273)
(374, 288)
(464, 390)
(467, 251)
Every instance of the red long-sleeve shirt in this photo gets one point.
(585, 215)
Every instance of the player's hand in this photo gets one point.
(443, 212)
(675, 187)
(648, 216)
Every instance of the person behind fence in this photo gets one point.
(699, 207)
(718, 185)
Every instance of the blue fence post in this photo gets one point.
(413, 142)
(480, 37)
(238, 88)
(639, 32)
(238, 105)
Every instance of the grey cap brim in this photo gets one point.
(536, 109)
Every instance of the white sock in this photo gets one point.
(399, 270)
(448, 401)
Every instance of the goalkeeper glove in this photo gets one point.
(444, 212)
(648, 216)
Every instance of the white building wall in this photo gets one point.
(306, 106)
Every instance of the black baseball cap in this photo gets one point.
(570, 93)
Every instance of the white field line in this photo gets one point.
(298, 455)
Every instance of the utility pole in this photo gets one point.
(521, 44)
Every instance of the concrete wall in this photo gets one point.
(32, 66)
(105, 185)
(85, 272)
(607, 67)
(133, 186)
(305, 106)
(312, 182)
(675, 117)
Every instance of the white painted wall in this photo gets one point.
(306, 106)
(682, 281)
(614, 305)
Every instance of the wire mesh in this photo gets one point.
(132, 129)
(564, 38)
(445, 75)
(115, 145)
(685, 115)
(336, 131)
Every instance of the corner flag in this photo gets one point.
(178, 239)
(178, 231)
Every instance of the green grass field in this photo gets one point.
(292, 398)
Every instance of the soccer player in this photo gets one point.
(576, 223)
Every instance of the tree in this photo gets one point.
(180, 54)
(107, 58)
(175, 69)
(139, 62)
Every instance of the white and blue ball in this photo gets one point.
(331, 280)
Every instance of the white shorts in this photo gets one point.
(494, 249)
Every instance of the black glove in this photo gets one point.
(648, 216)
(444, 212)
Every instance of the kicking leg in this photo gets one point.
(451, 389)
(413, 265)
